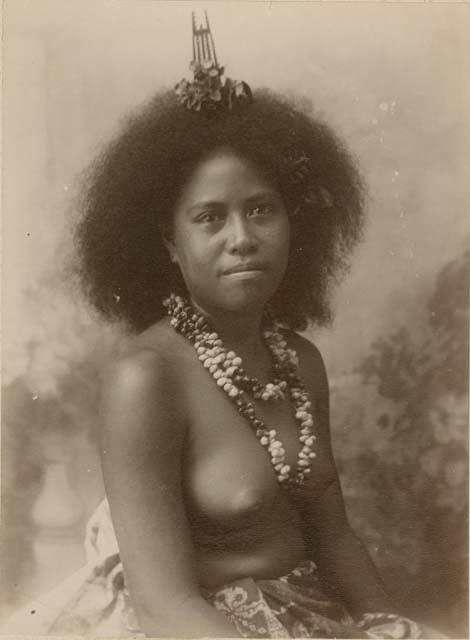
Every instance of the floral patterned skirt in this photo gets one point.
(95, 602)
(292, 606)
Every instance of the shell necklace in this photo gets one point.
(227, 370)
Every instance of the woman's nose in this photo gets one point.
(241, 238)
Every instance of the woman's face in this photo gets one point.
(230, 235)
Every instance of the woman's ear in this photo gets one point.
(169, 244)
(170, 247)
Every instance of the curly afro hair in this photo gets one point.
(132, 188)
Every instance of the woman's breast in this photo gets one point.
(229, 481)
(242, 522)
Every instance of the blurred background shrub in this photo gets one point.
(390, 78)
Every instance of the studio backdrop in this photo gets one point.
(390, 78)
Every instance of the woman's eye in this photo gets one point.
(210, 217)
(261, 210)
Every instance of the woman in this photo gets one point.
(214, 226)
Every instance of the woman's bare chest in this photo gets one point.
(229, 474)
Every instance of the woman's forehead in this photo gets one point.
(223, 175)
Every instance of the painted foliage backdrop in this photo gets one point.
(390, 78)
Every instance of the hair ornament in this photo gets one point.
(296, 168)
(209, 90)
(318, 196)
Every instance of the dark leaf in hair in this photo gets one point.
(239, 89)
(326, 197)
(181, 86)
(311, 197)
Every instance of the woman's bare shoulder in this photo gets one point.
(156, 351)
(142, 383)
(312, 367)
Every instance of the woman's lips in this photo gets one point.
(246, 274)
(249, 267)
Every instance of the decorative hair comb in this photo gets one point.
(209, 90)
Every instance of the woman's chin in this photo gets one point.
(242, 297)
(245, 302)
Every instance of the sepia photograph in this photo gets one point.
(235, 262)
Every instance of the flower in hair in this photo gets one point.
(209, 90)
(296, 168)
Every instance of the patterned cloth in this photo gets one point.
(95, 602)
(292, 606)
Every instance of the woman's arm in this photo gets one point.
(347, 569)
(343, 560)
(143, 435)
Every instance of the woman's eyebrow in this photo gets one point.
(204, 204)
(263, 194)
(259, 195)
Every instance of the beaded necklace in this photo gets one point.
(227, 370)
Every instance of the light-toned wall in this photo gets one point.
(389, 76)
